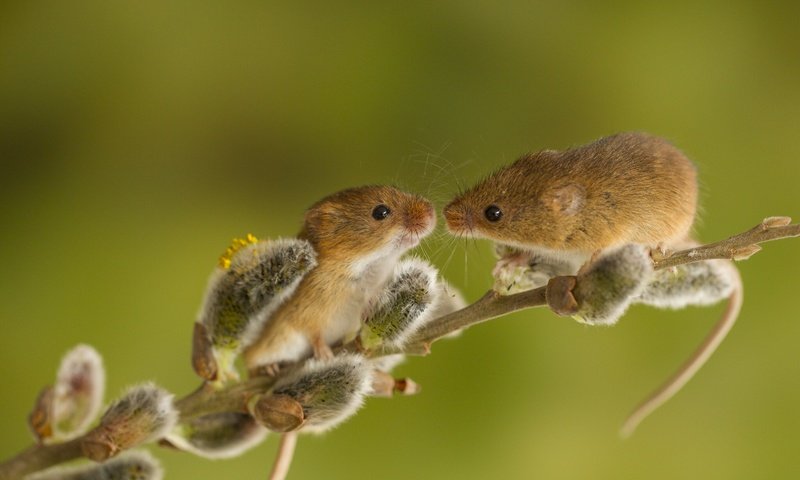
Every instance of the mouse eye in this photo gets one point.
(493, 213)
(380, 212)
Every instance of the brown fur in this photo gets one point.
(344, 234)
(626, 188)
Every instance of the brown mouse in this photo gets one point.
(570, 206)
(359, 235)
(626, 188)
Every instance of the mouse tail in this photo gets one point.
(690, 367)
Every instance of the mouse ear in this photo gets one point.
(314, 216)
(567, 199)
(305, 232)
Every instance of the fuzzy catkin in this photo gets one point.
(219, 435)
(258, 277)
(405, 304)
(144, 413)
(78, 392)
(611, 284)
(329, 391)
(133, 465)
(698, 283)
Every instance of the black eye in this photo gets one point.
(380, 212)
(493, 213)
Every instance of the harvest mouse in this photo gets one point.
(571, 206)
(626, 188)
(359, 235)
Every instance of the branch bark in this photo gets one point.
(206, 400)
(39, 457)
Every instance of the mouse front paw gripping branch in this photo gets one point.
(311, 386)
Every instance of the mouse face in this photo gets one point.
(513, 207)
(367, 221)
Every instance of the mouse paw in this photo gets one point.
(510, 262)
(517, 271)
(269, 370)
(660, 252)
(322, 351)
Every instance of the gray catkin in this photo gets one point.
(132, 465)
(238, 298)
(612, 283)
(219, 435)
(699, 283)
(405, 305)
(329, 391)
(144, 413)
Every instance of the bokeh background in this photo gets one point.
(137, 138)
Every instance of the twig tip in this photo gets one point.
(772, 222)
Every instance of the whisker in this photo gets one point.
(466, 270)
(452, 252)
(423, 248)
(445, 241)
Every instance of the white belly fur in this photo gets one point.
(368, 280)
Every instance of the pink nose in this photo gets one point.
(458, 218)
(420, 217)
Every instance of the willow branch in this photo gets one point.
(203, 401)
(493, 305)
(39, 457)
(737, 247)
(234, 398)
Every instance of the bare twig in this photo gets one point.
(39, 457)
(491, 305)
(737, 247)
(206, 400)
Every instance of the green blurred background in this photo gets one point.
(137, 138)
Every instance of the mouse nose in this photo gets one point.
(458, 218)
(420, 217)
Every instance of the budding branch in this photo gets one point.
(493, 305)
(234, 398)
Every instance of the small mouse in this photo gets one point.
(359, 235)
(571, 204)
(569, 207)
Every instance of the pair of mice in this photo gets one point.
(570, 207)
